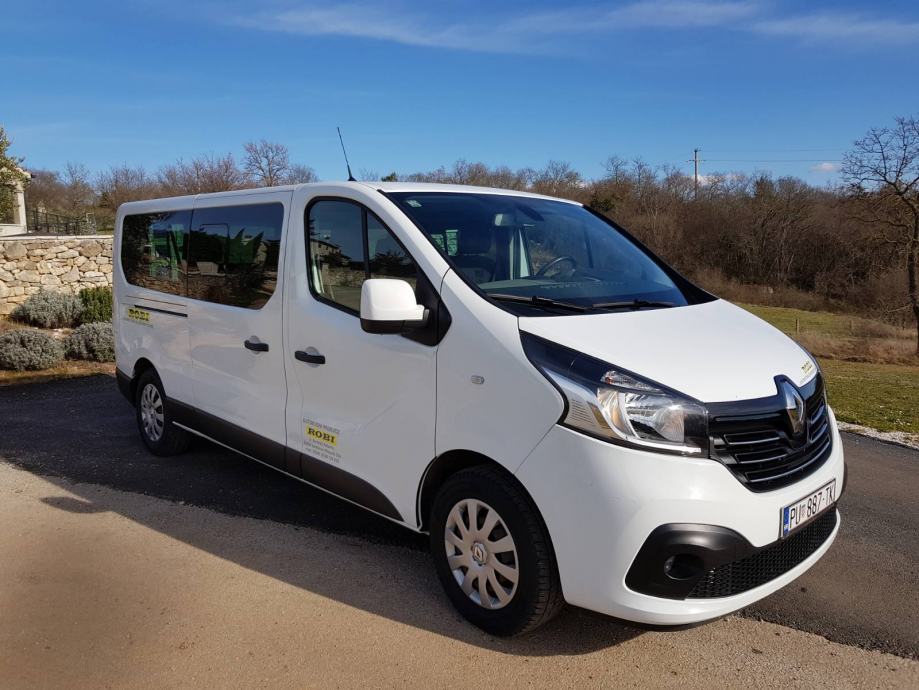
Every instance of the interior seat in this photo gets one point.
(473, 249)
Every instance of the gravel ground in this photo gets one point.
(107, 588)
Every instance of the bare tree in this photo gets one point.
(882, 170)
(267, 163)
(45, 190)
(123, 183)
(299, 174)
(79, 194)
(70, 192)
(557, 179)
(201, 175)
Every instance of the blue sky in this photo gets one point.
(758, 84)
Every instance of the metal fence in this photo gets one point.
(47, 223)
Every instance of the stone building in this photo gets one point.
(18, 226)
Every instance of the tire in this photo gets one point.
(154, 418)
(489, 559)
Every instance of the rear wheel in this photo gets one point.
(154, 418)
(492, 553)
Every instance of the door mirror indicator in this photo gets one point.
(388, 305)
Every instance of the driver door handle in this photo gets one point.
(302, 356)
(255, 345)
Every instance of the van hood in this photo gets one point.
(713, 352)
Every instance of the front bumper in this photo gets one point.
(601, 504)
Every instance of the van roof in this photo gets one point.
(381, 186)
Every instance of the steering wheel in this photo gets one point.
(552, 264)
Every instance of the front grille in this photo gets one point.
(766, 564)
(754, 439)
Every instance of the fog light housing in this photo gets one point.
(683, 566)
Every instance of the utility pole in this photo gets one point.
(695, 172)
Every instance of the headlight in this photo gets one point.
(617, 406)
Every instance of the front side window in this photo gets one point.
(153, 250)
(341, 237)
(532, 252)
(234, 253)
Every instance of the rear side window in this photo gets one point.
(233, 254)
(342, 235)
(153, 250)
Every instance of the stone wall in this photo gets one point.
(60, 264)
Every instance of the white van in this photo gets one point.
(569, 418)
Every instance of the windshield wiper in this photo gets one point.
(631, 304)
(537, 301)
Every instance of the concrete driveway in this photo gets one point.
(118, 568)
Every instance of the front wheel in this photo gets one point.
(154, 418)
(492, 553)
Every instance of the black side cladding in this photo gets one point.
(299, 465)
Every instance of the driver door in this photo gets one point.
(361, 406)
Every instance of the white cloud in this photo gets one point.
(825, 167)
(492, 31)
(849, 27)
(497, 30)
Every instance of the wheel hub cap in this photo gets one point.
(152, 417)
(481, 554)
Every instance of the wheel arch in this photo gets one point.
(140, 366)
(445, 466)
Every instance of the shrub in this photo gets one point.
(49, 310)
(92, 341)
(97, 304)
(29, 350)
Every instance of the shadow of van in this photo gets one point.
(97, 443)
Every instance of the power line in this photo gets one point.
(803, 150)
(695, 171)
(773, 160)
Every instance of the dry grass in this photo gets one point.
(843, 337)
(871, 350)
(68, 369)
(718, 284)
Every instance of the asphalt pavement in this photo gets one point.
(864, 592)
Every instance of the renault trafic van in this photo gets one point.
(567, 417)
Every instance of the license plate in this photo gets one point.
(806, 509)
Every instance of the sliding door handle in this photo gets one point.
(309, 357)
(255, 345)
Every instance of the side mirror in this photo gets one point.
(389, 306)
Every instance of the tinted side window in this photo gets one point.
(233, 254)
(387, 257)
(154, 250)
(341, 235)
(337, 263)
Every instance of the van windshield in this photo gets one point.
(541, 254)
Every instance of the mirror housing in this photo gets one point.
(388, 305)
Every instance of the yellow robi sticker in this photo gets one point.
(139, 315)
(321, 435)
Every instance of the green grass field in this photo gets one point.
(794, 321)
(882, 396)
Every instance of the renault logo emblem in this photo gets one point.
(794, 408)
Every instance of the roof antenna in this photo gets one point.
(341, 141)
